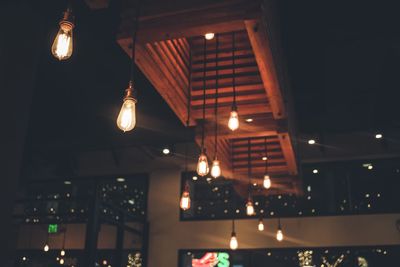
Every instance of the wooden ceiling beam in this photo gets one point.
(259, 40)
(157, 23)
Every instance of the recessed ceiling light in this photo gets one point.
(67, 182)
(315, 171)
(264, 158)
(370, 167)
(249, 120)
(378, 136)
(311, 142)
(120, 179)
(166, 151)
(209, 35)
(194, 178)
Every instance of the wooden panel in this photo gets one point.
(262, 51)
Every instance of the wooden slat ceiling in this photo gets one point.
(166, 63)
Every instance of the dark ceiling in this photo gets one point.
(343, 59)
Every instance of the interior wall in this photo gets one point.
(168, 234)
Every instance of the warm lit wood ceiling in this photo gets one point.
(168, 36)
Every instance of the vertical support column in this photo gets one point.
(92, 228)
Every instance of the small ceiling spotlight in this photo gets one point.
(315, 171)
(67, 182)
(264, 158)
(209, 36)
(195, 178)
(166, 151)
(249, 120)
(311, 142)
(120, 179)
(379, 136)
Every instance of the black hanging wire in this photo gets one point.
(188, 104)
(204, 93)
(266, 155)
(234, 107)
(216, 96)
(134, 37)
(233, 227)
(249, 163)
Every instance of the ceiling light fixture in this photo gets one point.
(209, 36)
(216, 168)
(233, 244)
(311, 142)
(185, 199)
(267, 179)
(233, 122)
(166, 151)
(126, 120)
(279, 233)
(120, 179)
(249, 203)
(202, 164)
(184, 203)
(315, 171)
(63, 43)
(260, 225)
(379, 136)
(62, 252)
(249, 120)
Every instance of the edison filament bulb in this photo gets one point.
(202, 165)
(185, 200)
(233, 122)
(267, 181)
(249, 207)
(233, 244)
(260, 226)
(215, 168)
(63, 43)
(126, 120)
(279, 235)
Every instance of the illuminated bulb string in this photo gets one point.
(216, 168)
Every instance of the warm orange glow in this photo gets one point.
(267, 182)
(63, 45)
(233, 122)
(215, 168)
(202, 165)
(185, 201)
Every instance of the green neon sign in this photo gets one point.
(52, 229)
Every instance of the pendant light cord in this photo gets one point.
(233, 71)
(204, 93)
(233, 226)
(216, 96)
(266, 155)
(188, 104)
(249, 163)
(134, 37)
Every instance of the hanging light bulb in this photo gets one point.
(127, 116)
(185, 199)
(249, 207)
(61, 261)
(62, 252)
(233, 122)
(215, 168)
(267, 179)
(279, 233)
(267, 182)
(260, 225)
(46, 247)
(233, 243)
(202, 165)
(63, 43)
